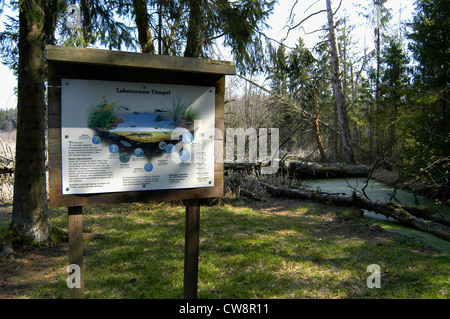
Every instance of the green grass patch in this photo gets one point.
(4, 221)
(286, 251)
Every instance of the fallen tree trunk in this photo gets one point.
(426, 213)
(325, 170)
(311, 170)
(389, 209)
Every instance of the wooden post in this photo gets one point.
(191, 251)
(76, 247)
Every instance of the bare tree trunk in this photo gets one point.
(30, 212)
(319, 138)
(378, 143)
(338, 90)
(334, 137)
(194, 45)
(160, 27)
(143, 26)
(316, 128)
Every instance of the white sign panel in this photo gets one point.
(126, 136)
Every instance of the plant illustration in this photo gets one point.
(103, 115)
(190, 114)
(180, 110)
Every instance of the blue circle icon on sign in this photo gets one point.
(124, 157)
(170, 148)
(162, 145)
(96, 139)
(185, 156)
(113, 149)
(138, 152)
(148, 167)
(187, 138)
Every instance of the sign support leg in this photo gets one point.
(76, 248)
(191, 252)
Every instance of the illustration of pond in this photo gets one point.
(145, 134)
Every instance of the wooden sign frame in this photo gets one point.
(95, 64)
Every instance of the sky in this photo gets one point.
(349, 8)
(363, 34)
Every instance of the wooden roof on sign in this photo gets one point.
(137, 60)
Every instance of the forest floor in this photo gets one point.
(28, 265)
(324, 233)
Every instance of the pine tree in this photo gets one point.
(430, 47)
(37, 25)
(190, 28)
(142, 20)
(30, 218)
(393, 90)
(428, 149)
(292, 75)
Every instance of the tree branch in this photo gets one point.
(298, 24)
(302, 112)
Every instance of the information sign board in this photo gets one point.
(128, 127)
(129, 136)
(133, 127)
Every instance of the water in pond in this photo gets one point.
(379, 191)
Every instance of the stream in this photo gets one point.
(379, 191)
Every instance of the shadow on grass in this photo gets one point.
(284, 251)
(309, 255)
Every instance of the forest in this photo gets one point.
(333, 104)
(394, 98)
(396, 107)
(8, 120)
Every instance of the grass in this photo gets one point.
(179, 110)
(285, 250)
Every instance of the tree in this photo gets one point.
(379, 16)
(338, 89)
(142, 20)
(101, 23)
(240, 23)
(159, 24)
(37, 24)
(394, 84)
(428, 148)
(8, 120)
(30, 216)
(292, 75)
(194, 37)
(191, 27)
(383, 17)
(419, 218)
(430, 47)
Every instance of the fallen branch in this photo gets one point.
(326, 170)
(312, 170)
(389, 209)
(307, 115)
(427, 213)
(249, 194)
(237, 187)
